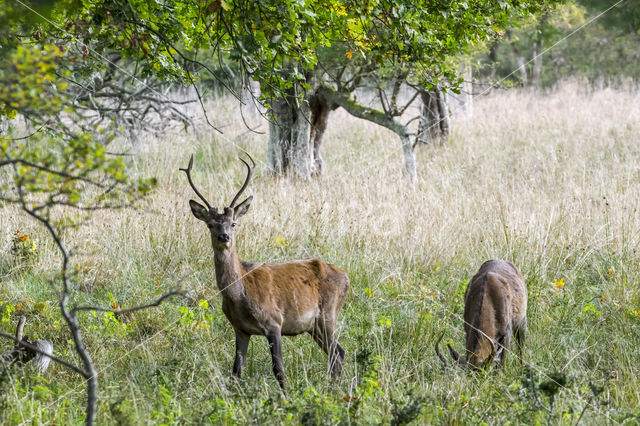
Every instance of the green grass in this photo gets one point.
(550, 183)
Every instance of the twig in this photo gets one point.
(155, 303)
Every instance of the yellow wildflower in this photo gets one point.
(558, 283)
(280, 241)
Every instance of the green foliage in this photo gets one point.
(30, 81)
(6, 309)
(603, 49)
(281, 43)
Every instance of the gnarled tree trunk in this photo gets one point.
(320, 110)
(295, 134)
(289, 150)
(434, 118)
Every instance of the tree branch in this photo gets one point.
(155, 303)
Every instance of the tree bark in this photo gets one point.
(434, 118)
(295, 134)
(522, 66)
(320, 110)
(443, 110)
(467, 87)
(536, 75)
(290, 150)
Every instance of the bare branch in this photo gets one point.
(153, 304)
(49, 170)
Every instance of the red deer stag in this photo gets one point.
(495, 307)
(271, 300)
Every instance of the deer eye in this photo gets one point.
(233, 225)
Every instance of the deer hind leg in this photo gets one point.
(242, 344)
(504, 344)
(275, 344)
(323, 334)
(520, 335)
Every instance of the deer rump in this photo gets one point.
(494, 311)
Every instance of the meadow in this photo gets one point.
(550, 182)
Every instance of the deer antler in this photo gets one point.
(442, 358)
(188, 172)
(487, 362)
(246, 182)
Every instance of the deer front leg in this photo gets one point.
(275, 344)
(242, 344)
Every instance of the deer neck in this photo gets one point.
(229, 273)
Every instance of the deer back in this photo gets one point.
(495, 305)
(290, 296)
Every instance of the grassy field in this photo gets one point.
(551, 183)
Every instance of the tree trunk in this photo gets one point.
(522, 65)
(409, 154)
(320, 110)
(290, 150)
(443, 110)
(467, 88)
(250, 94)
(434, 118)
(522, 68)
(493, 57)
(536, 75)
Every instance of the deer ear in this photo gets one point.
(198, 210)
(242, 208)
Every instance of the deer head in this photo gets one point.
(462, 361)
(221, 224)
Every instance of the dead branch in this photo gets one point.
(24, 351)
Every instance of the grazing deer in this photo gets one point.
(495, 307)
(271, 300)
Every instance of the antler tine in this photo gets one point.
(188, 172)
(494, 352)
(442, 358)
(246, 181)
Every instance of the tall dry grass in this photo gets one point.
(549, 182)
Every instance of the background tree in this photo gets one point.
(605, 48)
(407, 51)
(295, 48)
